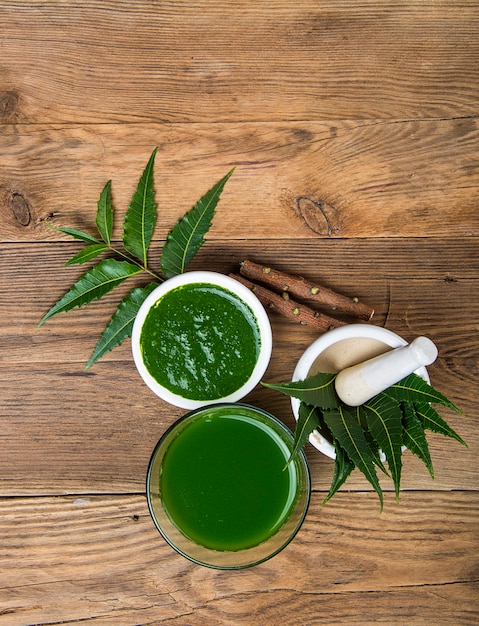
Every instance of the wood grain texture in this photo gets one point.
(307, 179)
(104, 60)
(404, 281)
(93, 433)
(60, 567)
(353, 130)
(106, 421)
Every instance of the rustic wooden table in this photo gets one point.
(353, 130)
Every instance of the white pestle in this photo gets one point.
(357, 384)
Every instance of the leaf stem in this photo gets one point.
(133, 260)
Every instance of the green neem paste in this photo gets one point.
(223, 479)
(200, 341)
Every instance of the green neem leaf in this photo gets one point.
(343, 466)
(317, 390)
(94, 283)
(345, 428)
(104, 214)
(80, 235)
(415, 389)
(187, 236)
(140, 218)
(309, 418)
(87, 254)
(373, 446)
(431, 420)
(121, 324)
(384, 420)
(414, 437)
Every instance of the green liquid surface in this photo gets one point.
(200, 342)
(223, 480)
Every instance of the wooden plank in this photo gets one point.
(455, 604)
(304, 179)
(69, 432)
(95, 431)
(277, 61)
(336, 263)
(59, 566)
(405, 281)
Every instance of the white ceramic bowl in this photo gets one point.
(340, 348)
(244, 294)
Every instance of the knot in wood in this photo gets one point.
(317, 215)
(8, 105)
(21, 210)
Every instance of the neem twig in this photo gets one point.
(289, 308)
(305, 289)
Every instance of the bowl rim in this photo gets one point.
(239, 290)
(309, 356)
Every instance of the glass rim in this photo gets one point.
(303, 463)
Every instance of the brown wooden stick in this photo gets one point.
(300, 313)
(305, 289)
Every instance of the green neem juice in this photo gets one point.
(224, 482)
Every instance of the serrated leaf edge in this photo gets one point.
(186, 246)
(394, 460)
(302, 426)
(370, 474)
(104, 214)
(55, 309)
(146, 177)
(87, 254)
(98, 352)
